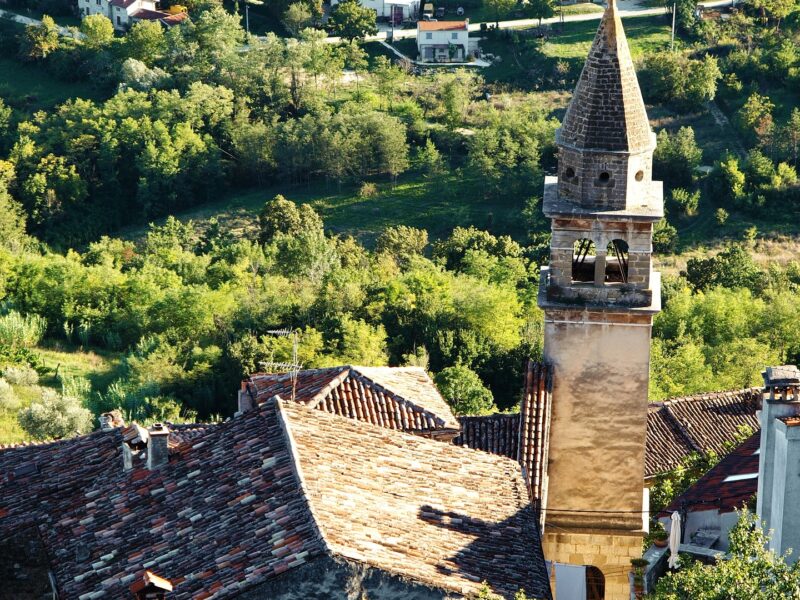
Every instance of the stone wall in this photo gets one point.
(611, 553)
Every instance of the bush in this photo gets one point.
(676, 157)
(21, 376)
(8, 399)
(464, 391)
(687, 201)
(55, 416)
(721, 216)
(665, 237)
(368, 190)
(21, 331)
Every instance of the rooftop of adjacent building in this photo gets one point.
(241, 502)
(443, 25)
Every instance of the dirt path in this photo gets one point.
(723, 122)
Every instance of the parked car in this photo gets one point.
(440, 12)
(460, 11)
(427, 12)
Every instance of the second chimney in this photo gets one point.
(158, 446)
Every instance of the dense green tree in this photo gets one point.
(39, 40)
(97, 30)
(731, 268)
(296, 18)
(146, 42)
(539, 9)
(351, 21)
(685, 82)
(464, 391)
(676, 157)
(402, 242)
(499, 8)
(282, 216)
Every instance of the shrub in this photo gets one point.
(665, 237)
(55, 416)
(721, 215)
(21, 376)
(8, 399)
(21, 331)
(686, 200)
(368, 190)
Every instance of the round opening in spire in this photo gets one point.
(639, 175)
(569, 173)
(604, 177)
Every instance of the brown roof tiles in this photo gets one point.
(394, 397)
(728, 486)
(243, 501)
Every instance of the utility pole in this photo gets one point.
(672, 39)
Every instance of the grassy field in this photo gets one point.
(99, 367)
(30, 87)
(528, 62)
(436, 205)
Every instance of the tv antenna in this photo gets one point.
(293, 367)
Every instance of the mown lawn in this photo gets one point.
(30, 87)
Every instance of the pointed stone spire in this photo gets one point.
(607, 112)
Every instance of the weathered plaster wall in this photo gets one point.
(599, 418)
(328, 579)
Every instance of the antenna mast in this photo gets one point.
(293, 368)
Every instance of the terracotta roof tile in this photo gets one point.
(395, 397)
(443, 25)
(245, 500)
(699, 423)
(436, 513)
(712, 491)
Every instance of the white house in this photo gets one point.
(443, 41)
(124, 13)
(397, 10)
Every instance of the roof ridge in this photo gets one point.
(294, 459)
(439, 420)
(707, 396)
(331, 385)
(53, 441)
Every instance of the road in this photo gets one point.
(633, 10)
(6, 14)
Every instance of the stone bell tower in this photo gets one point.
(599, 295)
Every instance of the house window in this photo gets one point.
(428, 36)
(119, 21)
(454, 36)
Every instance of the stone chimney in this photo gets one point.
(778, 479)
(246, 398)
(157, 446)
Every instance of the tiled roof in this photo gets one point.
(225, 512)
(122, 3)
(699, 423)
(393, 397)
(149, 15)
(269, 490)
(712, 491)
(501, 433)
(436, 513)
(443, 25)
(675, 428)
